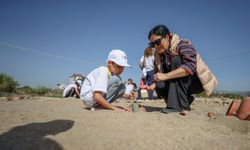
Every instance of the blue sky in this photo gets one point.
(43, 42)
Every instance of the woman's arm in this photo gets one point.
(177, 73)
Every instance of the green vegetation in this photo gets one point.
(7, 83)
(9, 86)
(221, 95)
(55, 93)
(26, 90)
(41, 90)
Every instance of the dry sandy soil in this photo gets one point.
(54, 123)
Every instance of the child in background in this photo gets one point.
(143, 78)
(148, 64)
(135, 91)
(103, 85)
(73, 90)
(129, 92)
(141, 87)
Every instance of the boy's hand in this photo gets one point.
(120, 109)
(148, 88)
(129, 109)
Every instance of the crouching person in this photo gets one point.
(175, 70)
(73, 90)
(103, 85)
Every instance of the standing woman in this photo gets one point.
(175, 70)
(148, 64)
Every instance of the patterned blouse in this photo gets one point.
(187, 53)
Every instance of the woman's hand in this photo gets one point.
(160, 77)
(151, 87)
(177, 73)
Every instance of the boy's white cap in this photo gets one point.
(119, 57)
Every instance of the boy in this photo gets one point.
(103, 85)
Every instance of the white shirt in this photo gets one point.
(149, 62)
(129, 88)
(73, 85)
(141, 62)
(97, 80)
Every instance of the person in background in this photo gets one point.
(141, 87)
(148, 65)
(143, 77)
(135, 91)
(73, 90)
(103, 85)
(129, 92)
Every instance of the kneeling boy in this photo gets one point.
(103, 85)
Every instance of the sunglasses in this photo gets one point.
(155, 43)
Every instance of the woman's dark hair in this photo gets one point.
(160, 30)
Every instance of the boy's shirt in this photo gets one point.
(97, 80)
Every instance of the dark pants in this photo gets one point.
(178, 92)
(149, 81)
(139, 94)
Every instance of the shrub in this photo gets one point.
(7, 83)
(26, 90)
(41, 90)
(55, 93)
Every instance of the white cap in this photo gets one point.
(119, 57)
(80, 82)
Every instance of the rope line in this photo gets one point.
(89, 62)
(45, 54)
(229, 56)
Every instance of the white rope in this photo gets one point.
(45, 54)
(89, 62)
(50, 55)
(229, 56)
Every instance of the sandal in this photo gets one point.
(168, 110)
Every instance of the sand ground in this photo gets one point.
(54, 123)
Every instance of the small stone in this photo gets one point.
(92, 109)
(211, 114)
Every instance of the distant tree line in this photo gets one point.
(8, 85)
(232, 95)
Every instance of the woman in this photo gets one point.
(175, 70)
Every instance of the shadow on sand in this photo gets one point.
(32, 136)
(151, 108)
